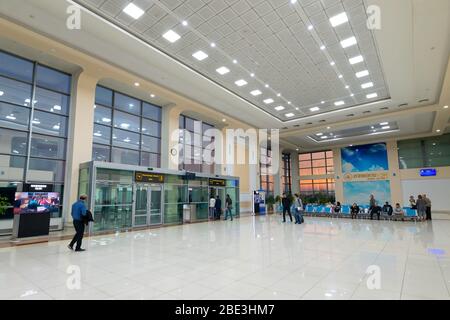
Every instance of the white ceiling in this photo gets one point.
(407, 57)
(270, 39)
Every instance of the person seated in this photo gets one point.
(398, 211)
(337, 207)
(387, 209)
(375, 210)
(354, 211)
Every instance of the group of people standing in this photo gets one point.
(297, 204)
(423, 206)
(215, 208)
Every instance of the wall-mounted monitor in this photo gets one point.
(36, 202)
(428, 172)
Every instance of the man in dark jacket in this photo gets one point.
(218, 207)
(79, 212)
(286, 202)
(387, 209)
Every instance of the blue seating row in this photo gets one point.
(320, 210)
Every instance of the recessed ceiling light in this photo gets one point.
(289, 115)
(356, 59)
(339, 19)
(266, 85)
(328, 128)
(279, 108)
(1, 93)
(372, 95)
(386, 127)
(289, 102)
(297, 108)
(241, 83)
(279, 95)
(224, 120)
(152, 95)
(324, 137)
(310, 27)
(57, 107)
(339, 103)
(234, 61)
(171, 36)
(314, 109)
(268, 101)
(200, 55)
(438, 130)
(213, 45)
(445, 107)
(293, 1)
(352, 95)
(340, 76)
(184, 23)
(256, 93)
(332, 63)
(322, 102)
(361, 74)
(133, 11)
(382, 124)
(347, 86)
(252, 75)
(322, 47)
(319, 134)
(348, 42)
(223, 70)
(137, 84)
(367, 85)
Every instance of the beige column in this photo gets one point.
(80, 140)
(295, 173)
(394, 172)
(169, 143)
(339, 183)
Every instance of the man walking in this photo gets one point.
(228, 207)
(286, 202)
(79, 212)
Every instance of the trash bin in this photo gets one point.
(186, 213)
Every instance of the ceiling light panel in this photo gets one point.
(133, 11)
(256, 93)
(339, 19)
(171, 36)
(254, 34)
(241, 83)
(200, 55)
(362, 74)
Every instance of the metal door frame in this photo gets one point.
(149, 187)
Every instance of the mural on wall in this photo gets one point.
(364, 158)
(360, 191)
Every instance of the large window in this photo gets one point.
(286, 180)
(126, 130)
(317, 173)
(198, 152)
(34, 115)
(425, 152)
(33, 133)
(267, 179)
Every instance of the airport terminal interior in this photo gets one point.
(225, 149)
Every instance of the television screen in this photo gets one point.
(36, 202)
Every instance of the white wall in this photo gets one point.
(435, 189)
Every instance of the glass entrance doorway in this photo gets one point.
(147, 205)
(217, 191)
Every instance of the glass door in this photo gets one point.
(141, 206)
(155, 212)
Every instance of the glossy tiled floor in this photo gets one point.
(250, 258)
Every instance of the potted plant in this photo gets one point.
(4, 205)
(270, 201)
(278, 203)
